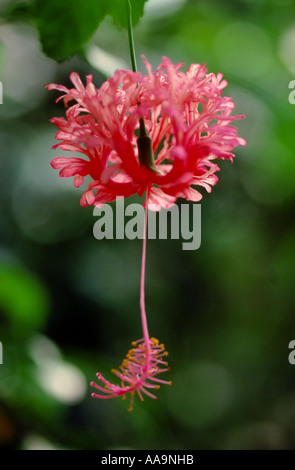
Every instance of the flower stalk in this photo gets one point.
(144, 142)
(145, 361)
(130, 36)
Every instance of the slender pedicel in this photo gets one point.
(144, 361)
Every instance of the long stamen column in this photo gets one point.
(144, 362)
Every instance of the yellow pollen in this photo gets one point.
(133, 343)
(114, 371)
(154, 340)
(130, 408)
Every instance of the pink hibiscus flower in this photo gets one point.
(182, 121)
(157, 133)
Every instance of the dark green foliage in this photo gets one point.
(66, 26)
(117, 10)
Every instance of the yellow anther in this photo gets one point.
(130, 408)
(157, 387)
(170, 382)
(133, 343)
(166, 353)
(114, 371)
(125, 363)
(154, 340)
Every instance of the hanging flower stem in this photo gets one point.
(144, 142)
(142, 276)
(145, 155)
(130, 36)
(139, 371)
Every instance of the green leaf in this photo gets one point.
(117, 9)
(66, 25)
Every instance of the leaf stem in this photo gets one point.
(130, 36)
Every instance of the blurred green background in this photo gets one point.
(69, 304)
